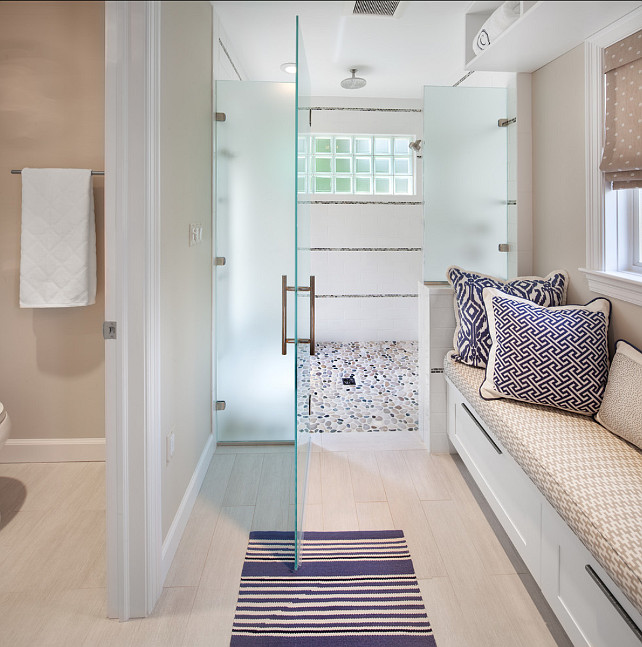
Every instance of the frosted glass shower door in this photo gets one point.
(255, 234)
(465, 180)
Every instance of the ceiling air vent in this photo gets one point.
(375, 8)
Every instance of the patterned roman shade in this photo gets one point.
(622, 156)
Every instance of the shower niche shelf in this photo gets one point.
(543, 31)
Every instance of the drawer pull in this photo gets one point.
(611, 598)
(490, 440)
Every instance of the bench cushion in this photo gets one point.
(590, 476)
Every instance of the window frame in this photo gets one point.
(608, 230)
(636, 225)
(311, 154)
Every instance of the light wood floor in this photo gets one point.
(52, 533)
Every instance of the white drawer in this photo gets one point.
(511, 494)
(586, 608)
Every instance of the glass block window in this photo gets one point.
(356, 164)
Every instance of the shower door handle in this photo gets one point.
(313, 296)
(284, 315)
(285, 340)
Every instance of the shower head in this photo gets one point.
(353, 82)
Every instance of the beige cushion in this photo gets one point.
(591, 477)
(621, 410)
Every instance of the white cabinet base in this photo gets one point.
(590, 607)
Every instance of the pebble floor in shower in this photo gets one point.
(385, 397)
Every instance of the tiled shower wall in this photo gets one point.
(435, 341)
(367, 254)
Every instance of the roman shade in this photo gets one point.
(622, 155)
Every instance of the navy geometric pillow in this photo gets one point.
(472, 340)
(557, 357)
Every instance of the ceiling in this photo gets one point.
(397, 56)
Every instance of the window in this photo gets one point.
(613, 226)
(356, 165)
(629, 243)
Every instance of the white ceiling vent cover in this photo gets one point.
(375, 8)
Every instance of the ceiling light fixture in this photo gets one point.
(289, 68)
(353, 82)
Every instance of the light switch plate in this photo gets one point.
(170, 439)
(195, 234)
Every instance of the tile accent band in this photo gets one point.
(366, 296)
(364, 109)
(365, 249)
(358, 202)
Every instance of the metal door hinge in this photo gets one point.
(220, 260)
(503, 247)
(220, 116)
(109, 330)
(502, 123)
(219, 405)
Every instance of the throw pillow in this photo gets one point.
(552, 356)
(621, 410)
(471, 340)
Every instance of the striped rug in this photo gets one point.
(352, 589)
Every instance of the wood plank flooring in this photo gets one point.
(52, 534)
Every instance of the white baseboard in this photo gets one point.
(52, 450)
(175, 532)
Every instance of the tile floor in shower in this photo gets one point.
(385, 396)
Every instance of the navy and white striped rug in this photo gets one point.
(352, 589)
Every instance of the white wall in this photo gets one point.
(186, 285)
(369, 227)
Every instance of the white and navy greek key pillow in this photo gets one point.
(552, 356)
(471, 340)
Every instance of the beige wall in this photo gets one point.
(186, 197)
(51, 114)
(559, 203)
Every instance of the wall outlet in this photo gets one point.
(169, 450)
(195, 234)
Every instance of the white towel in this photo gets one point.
(58, 241)
(504, 16)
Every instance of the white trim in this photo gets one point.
(153, 453)
(600, 201)
(131, 234)
(175, 532)
(52, 450)
(116, 48)
(625, 286)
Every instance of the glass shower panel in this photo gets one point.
(304, 298)
(465, 180)
(256, 237)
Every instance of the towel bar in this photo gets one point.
(19, 172)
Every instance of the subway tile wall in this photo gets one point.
(437, 317)
(368, 251)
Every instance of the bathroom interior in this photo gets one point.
(302, 310)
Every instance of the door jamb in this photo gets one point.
(132, 299)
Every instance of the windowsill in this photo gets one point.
(626, 286)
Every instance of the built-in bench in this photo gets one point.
(569, 495)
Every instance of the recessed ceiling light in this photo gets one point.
(289, 68)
